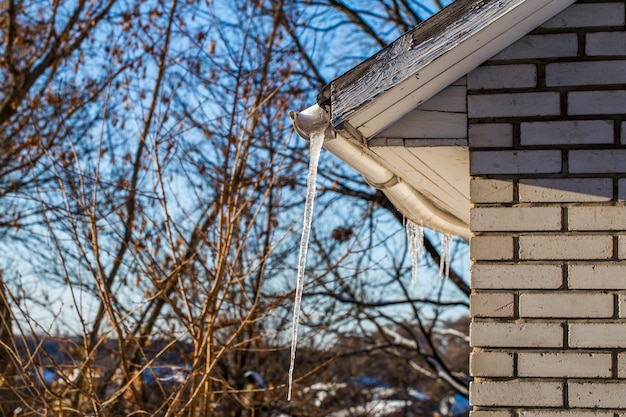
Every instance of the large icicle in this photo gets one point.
(316, 141)
(415, 238)
(444, 257)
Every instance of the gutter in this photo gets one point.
(412, 204)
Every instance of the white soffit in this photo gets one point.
(440, 174)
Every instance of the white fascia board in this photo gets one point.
(423, 71)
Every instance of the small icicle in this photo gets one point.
(315, 145)
(415, 238)
(444, 256)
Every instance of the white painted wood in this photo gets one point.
(451, 162)
(439, 173)
(444, 116)
(429, 124)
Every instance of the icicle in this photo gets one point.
(444, 257)
(415, 238)
(315, 145)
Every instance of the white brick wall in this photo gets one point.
(493, 219)
(597, 218)
(588, 15)
(598, 394)
(558, 246)
(503, 76)
(599, 161)
(490, 363)
(568, 413)
(565, 190)
(597, 335)
(489, 276)
(490, 413)
(596, 102)
(492, 305)
(515, 162)
(565, 364)
(547, 136)
(512, 105)
(517, 334)
(491, 135)
(585, 73)
(491, 191)
(492, 247)
(597, 276)
(567, 304)
(517, 393)
(570, 132)
(605, 43)
(541, 46)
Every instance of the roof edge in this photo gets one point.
(419, 64)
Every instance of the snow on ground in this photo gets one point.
(378, 408)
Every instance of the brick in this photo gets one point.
(493, 219)
(565, 190)
(492, 305)
(541, 46)
(588, 15)
(597, 335)
(621, 306)
(566, 305)
(564, 365)
(502, 76)
(621, 188)
(515, 162)
(490, 135)
(514, 105)
(621, 365)
(516, 393)
(571, 132)
(597, 161)
(605, 43)
(491, 191)
(491, 413)
(515, 276)
(565, 247)
(491, 364)
(623, 135)
(597, 218)
(621, 246)
(515, 335)
(564, 413)
(491, 248)
(597, 394)
(585, 73)
(596, 102)
(609, 276)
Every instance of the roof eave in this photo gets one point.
(384, 88)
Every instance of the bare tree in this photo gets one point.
(375, 291)
(151, 191)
